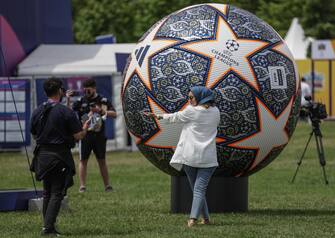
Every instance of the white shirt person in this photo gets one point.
(305, 91)
(196, 149)
(196, 146)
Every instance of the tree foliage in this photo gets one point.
(279, 14)
(128, 20)
(319, 18)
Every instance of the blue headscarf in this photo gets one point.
(202, 94)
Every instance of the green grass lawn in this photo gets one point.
(139, 206)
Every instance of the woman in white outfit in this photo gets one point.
(196, 150)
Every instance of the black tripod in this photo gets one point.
(318, 138)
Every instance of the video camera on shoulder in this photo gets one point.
(315, 110)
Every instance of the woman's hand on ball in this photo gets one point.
(153, 115)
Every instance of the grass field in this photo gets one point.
(140, 203)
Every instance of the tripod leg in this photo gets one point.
(322, 160)
(302, 156)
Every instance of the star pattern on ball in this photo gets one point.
(272, 133)
(140, 57)
(219, 140)
(135, 138)
(168, 135)
(222, 8)
(284, 50)
(222, 59)
(238, 53)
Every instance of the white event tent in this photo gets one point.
(296, 40)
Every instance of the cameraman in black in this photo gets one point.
(98, 108)
(55, 129)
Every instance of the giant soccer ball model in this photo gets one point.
(230, 51)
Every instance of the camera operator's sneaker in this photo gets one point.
(50, 232)
(108, 188)
(82, 189)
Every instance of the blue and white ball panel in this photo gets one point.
(231, 51)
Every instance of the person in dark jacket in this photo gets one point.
(55, 128)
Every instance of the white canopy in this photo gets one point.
(296, 40)
(73, 60)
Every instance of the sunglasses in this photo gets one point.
(86, 90)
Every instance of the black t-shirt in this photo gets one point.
(82, 107)
(54, 124)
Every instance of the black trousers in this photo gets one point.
(54, 190)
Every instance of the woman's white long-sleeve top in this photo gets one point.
(197, 144)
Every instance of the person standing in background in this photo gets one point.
(306, 91)
(98, 108)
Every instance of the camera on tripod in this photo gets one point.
(315, 110)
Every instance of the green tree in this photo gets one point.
(318, 18)
(95, 18)
(279, 14)
(128, 20)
